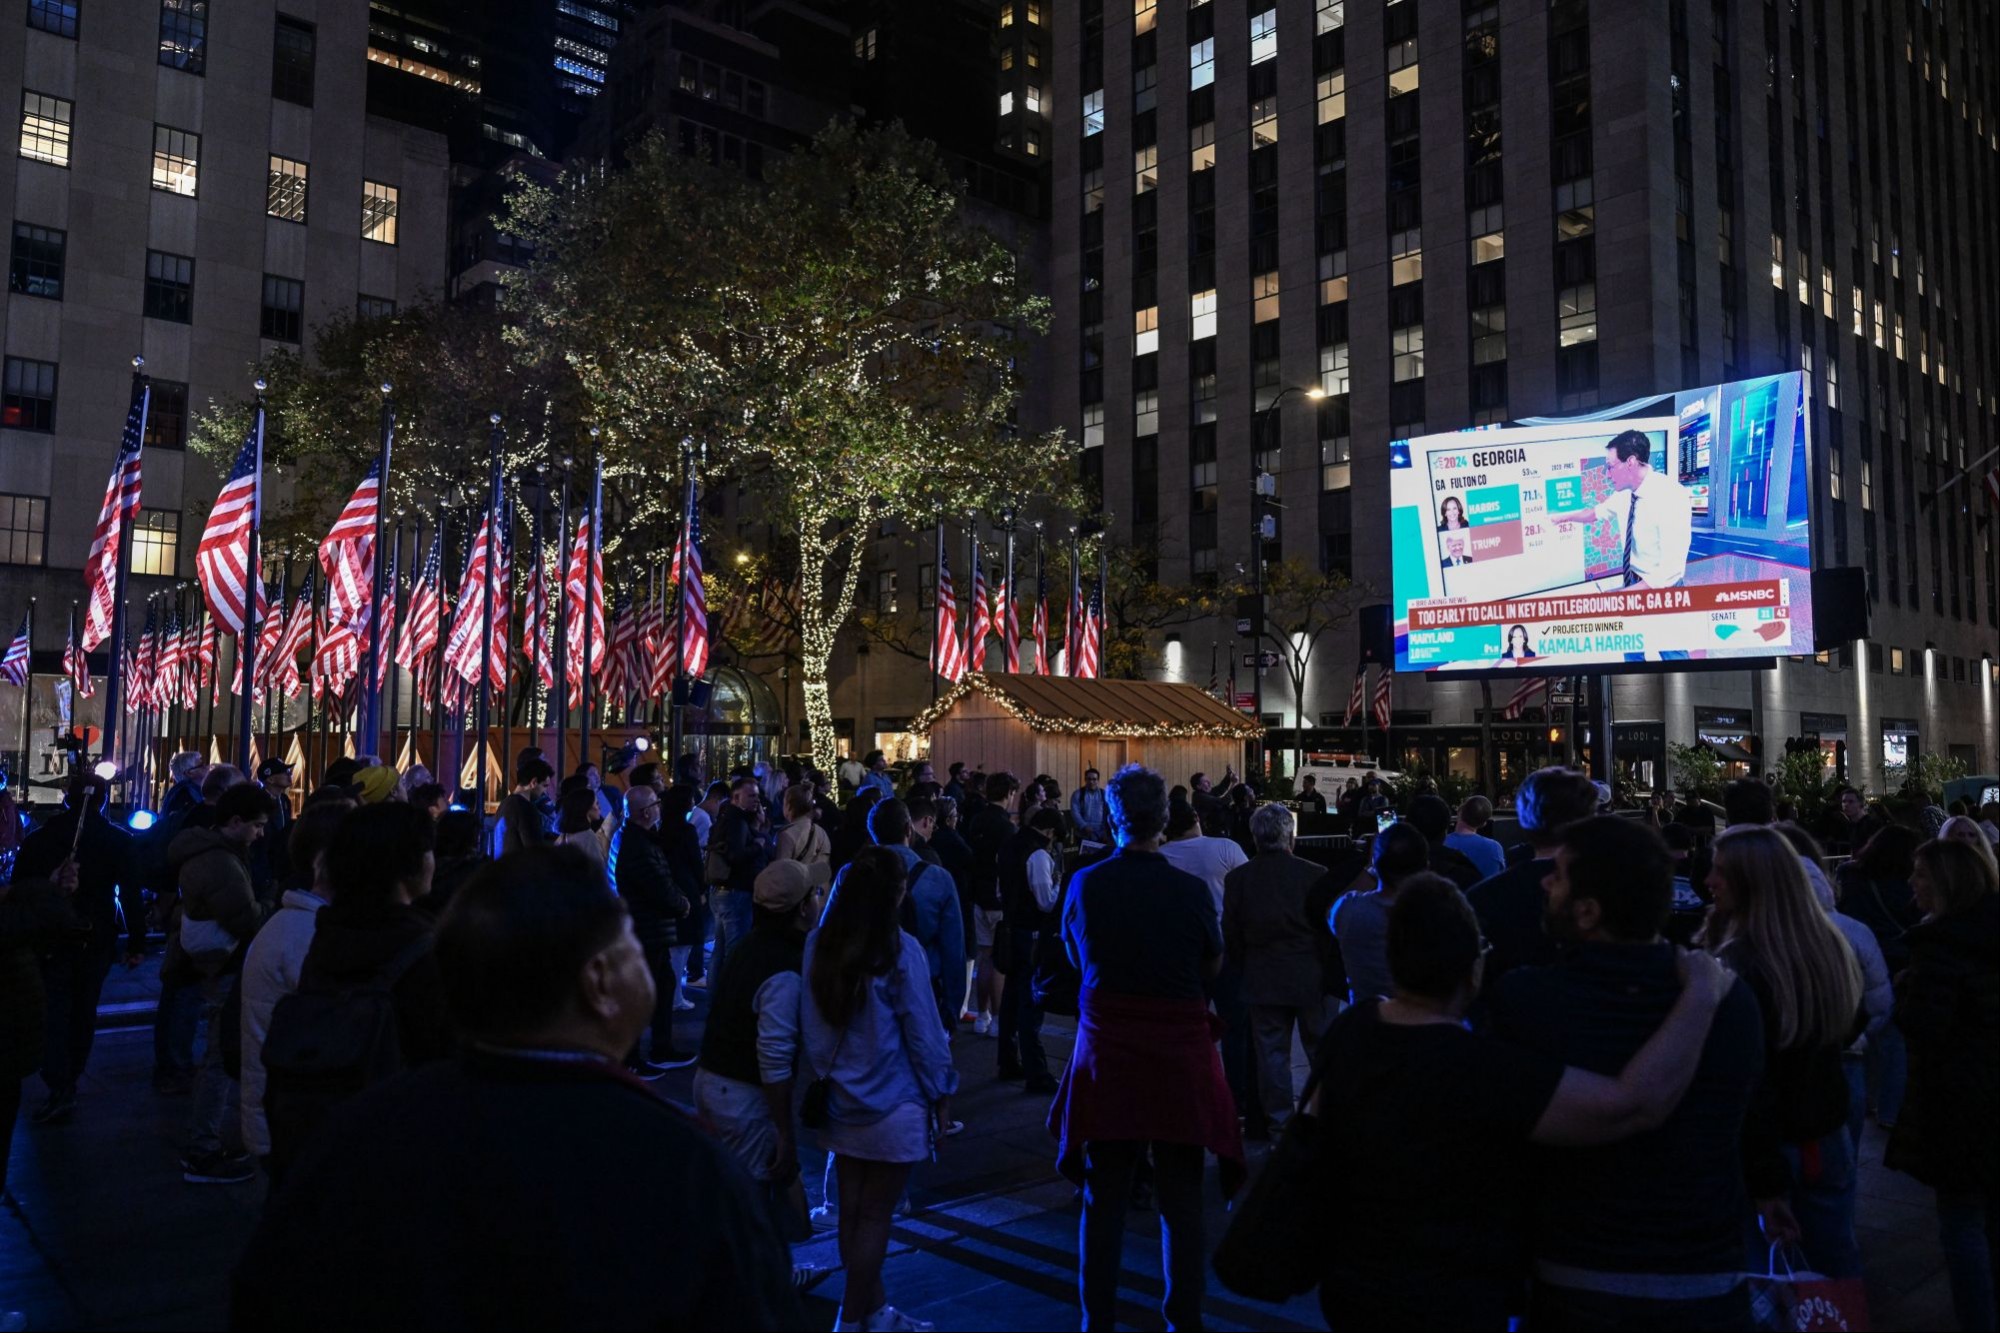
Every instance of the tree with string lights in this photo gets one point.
(836, 340)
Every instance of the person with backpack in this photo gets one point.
(527, 1182)
(219, 912)
(370, 999)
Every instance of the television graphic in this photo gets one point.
(1669, 529)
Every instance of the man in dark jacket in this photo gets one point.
(73, 970)
(530, 1151)
(522, 824)
(219, 912)
(1433, 818)
(987, 830)
(737, 841)
(1209, 802)
(657, 904)
(1510, 904)
(1270, 935)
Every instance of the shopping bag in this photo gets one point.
(1786, 1300)
(1278, 1241)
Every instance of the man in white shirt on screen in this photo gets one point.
(1655, 514)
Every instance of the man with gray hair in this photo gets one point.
(1269, 909)
(187, 769)
(1144, 1079)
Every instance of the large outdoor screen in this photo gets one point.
(1670, 529)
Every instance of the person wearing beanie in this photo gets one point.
(375, 785)
(743, 1083)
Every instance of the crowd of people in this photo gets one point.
(1577, 1068)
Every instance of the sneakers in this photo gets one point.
(890, 1318)
(982, 1026)
(807, 1276)
(217, 1168)
(683, 1005)
(674, 1059)
(646, 1071)
(954, 1129)
(58, 1109)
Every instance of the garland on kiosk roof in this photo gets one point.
(922, 723)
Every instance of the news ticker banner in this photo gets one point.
(1576, 628)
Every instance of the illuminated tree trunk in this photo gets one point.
(821, 614)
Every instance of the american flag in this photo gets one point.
(461, 652)
(270, 636)
(209, 656)
(1090, 654)
(385, 611)
(130, 666)
(694, 596)
(534, 625)
(1041, 626)
(144, 656)
(947, 653)
(298, 639)
(167, 662)
(1525, 692)
(1992, 484)
(121, 506)
(982, 616)
(14, 666)
(76, 665)
(190, 674)
(574, 590)
(1010, 616)
(500, 661)
(347, 556)
(1382, 684)
(222, 561)
(422, 623)
(666, 638)
(1356, 697)
(1073, 614)
(617, 681)
(338, 660)
(646, 650)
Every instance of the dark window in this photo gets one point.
(284, 309)
(37, 269)
(374, 307)
(292, 61)
(24, 527)
(169, 287)
(28, 401)
(166, 416)
(56, 16)
(184, 34)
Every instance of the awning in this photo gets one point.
(1731, 753)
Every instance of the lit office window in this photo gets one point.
(1489, 241)
(1332, 14)
(1406, 257)
(378, 212)
(176, 160)
(1144, 14)
(1007, 102)
(1576, 309)
(1263, 36)
(1777, 261)
(286, 196)
(1264, 122)
(156, 542)
(1201, 146)
(1146, 413)
(56, 16)
(1201, 315)
(1093, 113)
(1093, 425)
(1334, 376)
(1264, 297)
(1402, 61)
(1332, 96)
(1145, 168)
(1201, 63)
(45, 123)
(1406, 346)
(1146, 331)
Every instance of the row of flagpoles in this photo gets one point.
(998, 613)
(352, 619)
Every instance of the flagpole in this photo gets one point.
(486, 597)
(675, 719)
(539, 588)
(417, 565)
(254, 586)
(1039, 614)
(371, 691)
(506, 529)
(394, 633)
(27, 701)
(115, 673)
(1073, 622)
(436, 673)
(1010, 628)
(74, 645)
(937, 592)
(590, 589)
(971, 588)
(558, 607)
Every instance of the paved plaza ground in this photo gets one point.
(103, 1234)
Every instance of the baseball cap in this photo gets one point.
(781, 886)
(270, 766)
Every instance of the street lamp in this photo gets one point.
(1263, 485)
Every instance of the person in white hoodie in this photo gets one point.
(271, 967)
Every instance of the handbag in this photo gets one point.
(1279, 1237)
(1794, 1301)
(816, 1103)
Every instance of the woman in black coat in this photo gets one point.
(1948, 1006)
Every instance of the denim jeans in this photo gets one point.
(1888, 1072)
(74, 980)
(1969, 1230)
(694, 930)
(1108, 1170)
(213, 1088)
(1020, 1016)
(1855, 1067)
(660, 962)
(1823, 1201)
(1239, 1065)
(175, 1023)
(732, 925)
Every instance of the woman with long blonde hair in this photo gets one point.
(1768, 925)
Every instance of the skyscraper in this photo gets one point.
(1443, 214)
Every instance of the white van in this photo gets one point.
(1330, 772)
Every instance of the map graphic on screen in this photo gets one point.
(1667, 529)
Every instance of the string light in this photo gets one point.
(1082, 726)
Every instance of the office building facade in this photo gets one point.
(1449, 213)
(200, 187)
